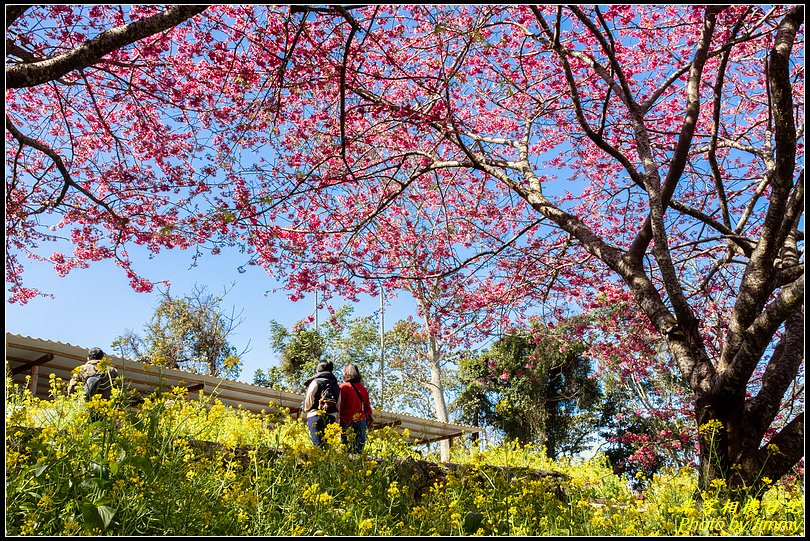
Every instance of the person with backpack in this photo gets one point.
(97, 379)
(320, 404)
(355, 409)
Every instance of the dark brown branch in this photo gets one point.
(283, 68)
(790, 444)
(759, 334)
(14, 12)
(793, 211)
(780, 373)
(15, 50)
(781, 89)
(85, 55)
(57, 159)
(757, 284)
(343, 67)
(746, 245)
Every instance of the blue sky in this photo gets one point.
(91, 307)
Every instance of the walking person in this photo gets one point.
(97, 377)
(355, 409)
(321, 401)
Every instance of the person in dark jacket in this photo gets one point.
(94, 377)
(355, 409)
(321, 401)
(91, 369)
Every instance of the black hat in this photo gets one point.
(95, 354)
(325, 366)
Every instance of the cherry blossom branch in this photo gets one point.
(344, 65)
(609, 50)
(715, 130)
(682, 147)
(88, 53)
(745, 244)
(453, 270)
(288, 55)
(757, 285)
(57, 160)
(569, 76)
(676, 75)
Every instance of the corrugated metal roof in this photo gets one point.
(24, 352)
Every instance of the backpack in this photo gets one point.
(328, 393)
(326, 396)
(98, 383)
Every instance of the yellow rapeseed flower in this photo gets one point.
(72, 527)
(365, 526)
(710, 427)
(718, 484)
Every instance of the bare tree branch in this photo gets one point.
(68, 179)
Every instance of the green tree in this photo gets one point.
(341, 339)
(188, 333)
(535, 389)
(301, 350)
(421, 369)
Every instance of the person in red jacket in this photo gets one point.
(355, 409)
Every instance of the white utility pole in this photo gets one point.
(382, 345)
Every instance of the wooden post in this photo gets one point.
(34, 379)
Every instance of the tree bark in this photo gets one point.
(28, 74)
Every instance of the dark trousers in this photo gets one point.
(317, 425)
(354, 435)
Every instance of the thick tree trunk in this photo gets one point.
(746, 468)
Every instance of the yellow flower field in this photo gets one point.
(180, 466)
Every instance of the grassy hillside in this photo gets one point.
(180, 466)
